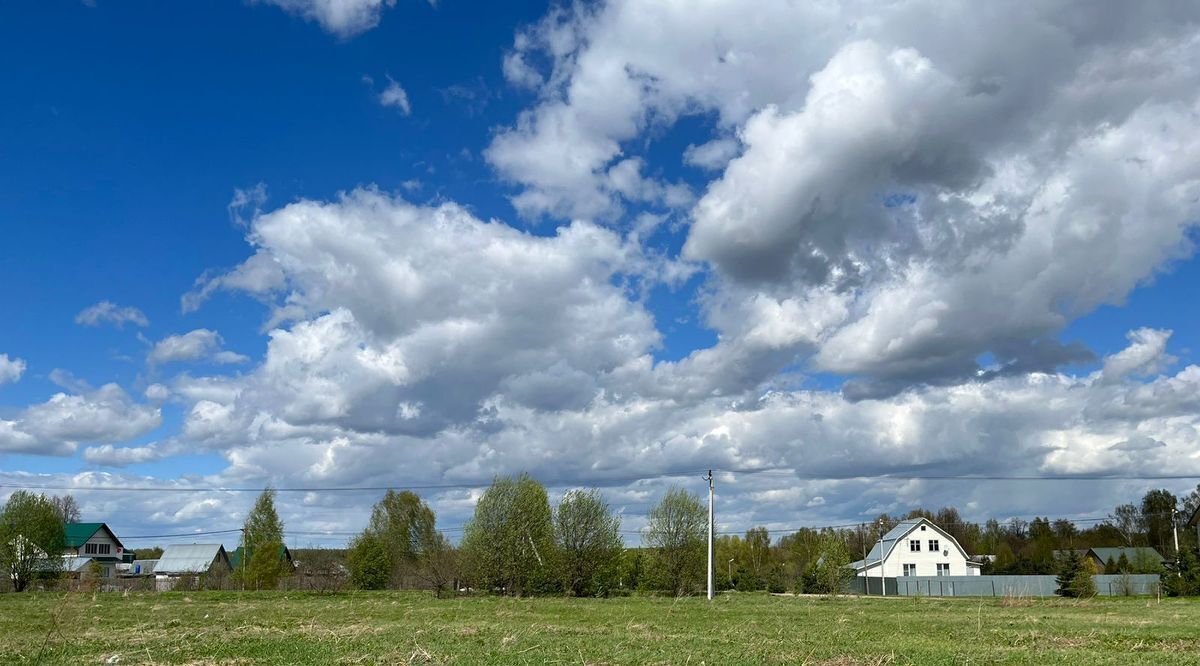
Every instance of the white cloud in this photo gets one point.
(107, 455)
(200, 344)
(56, 426)
(11, 369)
(344, 18)
(942, 187)
(1146, 354)
(712, 155)
(107, 312)
(395, 96)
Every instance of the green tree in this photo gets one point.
(1123, 565)
(829, 574)
(31, 538)
(368, 561)
(1158, 517)
(1110, 567)
(589, 543)
(509, 543)
(1075, 577)
(406, 525)
(262, 544)
(1184, 580)
(676, 533)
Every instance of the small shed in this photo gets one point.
(192, 558)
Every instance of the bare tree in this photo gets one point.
(67, 508)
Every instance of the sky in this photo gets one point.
(833, 251)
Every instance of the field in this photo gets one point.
(399, 628)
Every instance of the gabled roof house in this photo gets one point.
(92, 542)
(916, 547)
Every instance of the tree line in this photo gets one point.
(516, 543)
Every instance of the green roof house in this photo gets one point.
(93, 542)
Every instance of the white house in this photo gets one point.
(92, 542)
(916, 547)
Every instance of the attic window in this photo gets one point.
(922, 528)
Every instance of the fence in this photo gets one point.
(1000, 586)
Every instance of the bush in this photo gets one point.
(370, 566)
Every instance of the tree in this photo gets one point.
(509, 543)
(589, 543)
(676, 533)
(368, 561)
(829, 574)
(438, 565)
(262, 543)
(404, 524)
(67, 508)
(1128, 521)
(1071, 566)
(1158, 518)
(31, 538)
(1075, 578)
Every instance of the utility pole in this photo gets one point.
(882, 581)
(1175, 531)
(731, 572)
(711, 551)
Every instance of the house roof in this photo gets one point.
(1195, 519)
(1131, 554)
(143, 566)
(235, 557)
(77, 534)
(190, 558)
(883, 548)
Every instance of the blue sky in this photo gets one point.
(129, 128)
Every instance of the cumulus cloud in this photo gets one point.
(1146, 354)
(344, 18)
(396, 97)
(950, 193)
(57, 426)
(11, 369)
(200, 344)
(107, 312)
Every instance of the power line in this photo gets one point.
(619, 480)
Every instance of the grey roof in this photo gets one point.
(191, 558)
(142, 566)
(893, 537)
(1131, 554)
(74, 564)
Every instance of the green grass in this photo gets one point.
(398, 627)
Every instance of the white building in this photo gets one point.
(916, 547)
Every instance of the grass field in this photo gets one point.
(398, 628)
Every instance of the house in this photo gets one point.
(1194, 521)
(193, 558)
(235, 558)
(916, 547)
(92, 542)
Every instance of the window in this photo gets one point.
(914, 545)
(910, 569)
(943, 569)
(933, 546)
(96, 548)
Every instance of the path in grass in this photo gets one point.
(393, 627)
